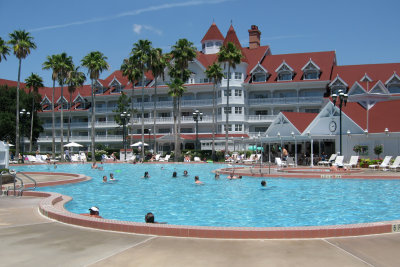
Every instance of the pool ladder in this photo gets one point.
(18, 189)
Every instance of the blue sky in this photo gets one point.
(361, 32)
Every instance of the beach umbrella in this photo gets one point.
(139, 144)
(73, 144)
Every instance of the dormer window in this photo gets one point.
(46, 103)
(338, 84)
(393, 84)
(209, 44)
(311, 71)
(98, 88)
(62, 101)
(366, 78)
(259, 74)
(203, 46)
(285, 72)
(80, 102)
(218, 44)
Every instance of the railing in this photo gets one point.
(263, 118)
(286, 100)
(21, 187)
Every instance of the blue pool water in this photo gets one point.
(285, 202)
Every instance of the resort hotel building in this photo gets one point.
(275, 100)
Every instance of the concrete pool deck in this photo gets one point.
(29, 239)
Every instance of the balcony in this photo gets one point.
(286, 100)
(78, 139)
(261, 118)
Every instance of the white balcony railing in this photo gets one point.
(286, 100)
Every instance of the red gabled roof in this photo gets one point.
(10, 83)
(206, 59)
(253, 56)
(324, 60)
(213, 33)
(354, 73)
(385, 114)
(300, 120)
(232, 37)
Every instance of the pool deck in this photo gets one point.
(44, 241)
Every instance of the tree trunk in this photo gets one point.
(178, 151)
(93, 122)
(31, 135)
(155, 115)
(213, 120)
(175, 128)
(143, 116)
(69, 118)
(133, 88)
(227, 111)
(17, 113)
(53, 116)
(62, 123)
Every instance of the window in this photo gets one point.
(218, 44)
(206, 80)
(238, 127)
(183, 114)
(394, 88)
(163, 114)
(186, 130)
(209, 44)
(226, 75)
(238, 75)
(203, 46)
(101, 119)
(285, 76)
(229, 127)
(311, 75)
(225, 92)
(219, 94)
(261, 112)
(228, 110)
(238, 92)
(259, 77)
(238, 110)
(260, 129)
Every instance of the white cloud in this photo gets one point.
(137, 28)
(132, 13)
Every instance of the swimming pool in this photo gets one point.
(223, 202)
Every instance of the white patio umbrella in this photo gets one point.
(73, 144)
(139, 144)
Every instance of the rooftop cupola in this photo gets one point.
(212, 40)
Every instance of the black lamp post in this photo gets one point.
(125, 119)
(149, 132)
(340, 98)
(23, 114)
(197, 115)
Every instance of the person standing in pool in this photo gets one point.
(112, 177)
(104, 179)
(93, 212)
(185, 173)
(197, 180)
(146, 175)
(174, 174)
(263, 183)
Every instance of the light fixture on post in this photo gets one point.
(312, 148)
(295, 148)
(341, 98)
(149, 132)
(243, 148)
(23, 114)
(279, 136)
(125, 119)
(197, 115)
(387, 131)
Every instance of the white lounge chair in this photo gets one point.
(352, 162)
(39, 159)
(338, 161)
(251, 159)
(327, 162)
(75, 158)
(82, 157)
(31, 158)
(197, 159)
(166, 158)
(280, 163)
(290, 162)
(384, 165)
(396, 164)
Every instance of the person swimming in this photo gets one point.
(263, 183)
(174, 174)
(94, 165)
(112, 177)
(216, 177)
(146, 175)
(185, 173)
(197, 180)
(104, 179)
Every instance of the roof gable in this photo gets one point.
(310, 65)
(213, 33)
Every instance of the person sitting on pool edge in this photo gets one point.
(197, 180)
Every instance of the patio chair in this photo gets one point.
(251, 159)
(290, 162)
(280, 163)
(31, 158)
(338, 161)
(166, 158)
(327, 162)
(384, 165)
(396, 164)
(75, 158)
(82, 157)
(196, 159)
(352, 162)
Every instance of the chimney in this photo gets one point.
(254, 37)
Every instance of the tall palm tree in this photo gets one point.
(176, 90)
(132, 73)
(158, 64)
(182, 52)
(22, 43)
(51, 63)
(64, 65)
(141, 53)
(232, 55)
(4, 49)
(34, 82)
(75, 79)
(214, 72)
(96, 63)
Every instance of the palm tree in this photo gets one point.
(51, 63)
(182, 52)
(132, 73)
(75, 79)
(22, 43)
(64, 66)
(4, 49)
(96, 63)
(232, 55)
(158, 63)
(141, 53)
(214, 72)
(176, 90)
(34, 82)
